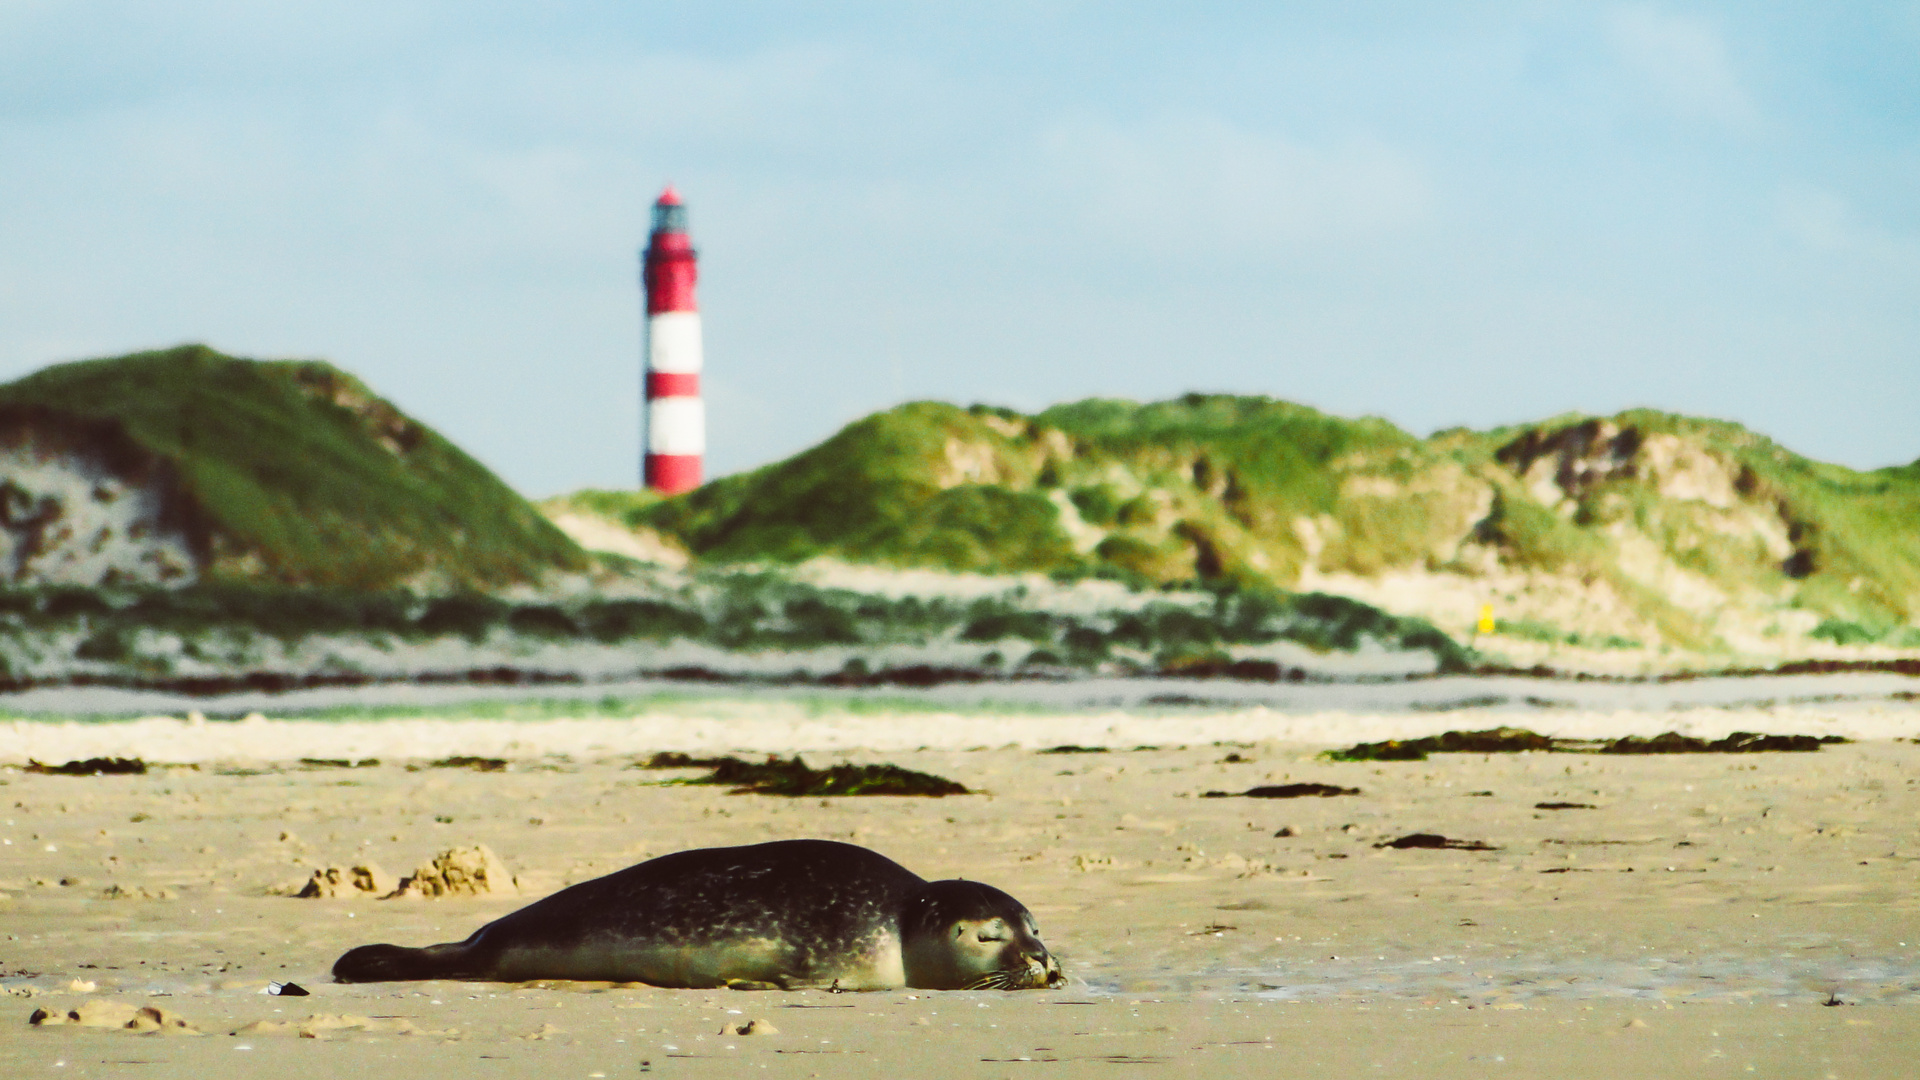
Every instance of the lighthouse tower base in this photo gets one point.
(671, 474)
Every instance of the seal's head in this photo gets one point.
(962, 935)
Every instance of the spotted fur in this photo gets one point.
(790, 914)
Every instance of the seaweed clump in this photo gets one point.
(674, 759)
(1740, 742)
(1503, 740)
(468, 761)
(1517, 740)
(793, 777)
(96, 766)
(1286, 791)
(1435, 840)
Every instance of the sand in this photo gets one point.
(1694, 916)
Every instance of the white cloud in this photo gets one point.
(1180, 181)
(1826, 222)
(1819, 219)
(1681, 62)
(766, 95)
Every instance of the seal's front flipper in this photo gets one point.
(752, 984)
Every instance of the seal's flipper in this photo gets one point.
(755, 984)
(397, 963)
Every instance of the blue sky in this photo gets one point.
(1466, 213)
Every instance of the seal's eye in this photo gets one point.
(990, 935)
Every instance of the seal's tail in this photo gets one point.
(397, 963)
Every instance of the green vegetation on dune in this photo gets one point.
(1857, 536)
(617, 504)
(923, 484)
(1679, 530)
(294, 472)
(277, 501)
(1181, 491)
(1242, 469)
(1722, 503)
(1258, 455)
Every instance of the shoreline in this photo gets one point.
(786, 729)
(913, 676)
(1519, 693)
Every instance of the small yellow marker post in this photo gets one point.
(1486, 620)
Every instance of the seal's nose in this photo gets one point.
(1046, 970)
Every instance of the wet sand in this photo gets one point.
(1692, 916)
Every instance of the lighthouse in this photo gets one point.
(676, 419)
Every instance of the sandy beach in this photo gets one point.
(1695, 914)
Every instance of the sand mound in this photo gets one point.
(334, 882)
(474, 871)
(107, 1013)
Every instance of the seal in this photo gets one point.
(789, 914)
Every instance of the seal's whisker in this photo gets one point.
(1001, 979)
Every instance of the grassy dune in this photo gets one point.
(1641, 530)
(291, 472)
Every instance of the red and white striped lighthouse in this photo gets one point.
(676, 419)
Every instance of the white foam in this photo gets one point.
(787, 727)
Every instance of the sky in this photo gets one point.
(1468, 213)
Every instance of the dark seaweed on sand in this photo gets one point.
(97, 766)
(794, 777)
(1071, 748)
(1740, 742)
(673, 759)
(1435, 840)
(1285, 791)
(1493, 741)
(1516, 740)
(465, 761)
